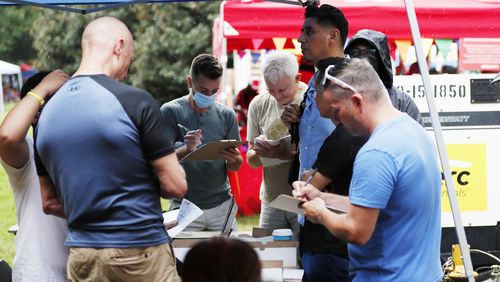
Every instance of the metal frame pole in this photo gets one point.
(438, 134)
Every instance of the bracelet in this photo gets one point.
(40, 100)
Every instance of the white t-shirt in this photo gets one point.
(40, 251)
(264, 113)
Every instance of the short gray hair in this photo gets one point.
(360, 74)
(277, 64)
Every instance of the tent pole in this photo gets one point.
(438, 135)
(223, 55)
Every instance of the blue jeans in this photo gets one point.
(320, 267)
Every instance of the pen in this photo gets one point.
(183, 127)
(308, 180)
(187, 130)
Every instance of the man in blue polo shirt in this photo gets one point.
(104, 160)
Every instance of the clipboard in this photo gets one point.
(291, 204)
(211, 150)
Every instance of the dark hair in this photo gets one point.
(32, 82)
(449, 69)
(338, 62)
(206, 65)
(222, 260)
(328, 15)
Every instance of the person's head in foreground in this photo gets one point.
(204, 79)
(107, 48)
(282, 77)
(222, 260)
(323, 33)
(351, 93)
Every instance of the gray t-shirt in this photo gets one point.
(208, 185)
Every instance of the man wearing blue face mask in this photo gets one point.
(195, 119)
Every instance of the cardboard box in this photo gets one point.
(265, 248)
(271, 270)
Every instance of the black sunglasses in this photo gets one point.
(355, 52)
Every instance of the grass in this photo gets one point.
(8, 213)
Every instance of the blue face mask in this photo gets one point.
(203, 101)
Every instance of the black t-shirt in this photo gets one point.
(335, 160)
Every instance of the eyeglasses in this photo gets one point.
(336, 81)
(355, 52)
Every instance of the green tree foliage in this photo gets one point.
(15, 38)
(166, 48)
(167, 37)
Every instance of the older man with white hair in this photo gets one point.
(282, 78)
(393, 224)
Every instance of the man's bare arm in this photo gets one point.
(356, 226)
(171, 175)
(50, 201)
(13, 147)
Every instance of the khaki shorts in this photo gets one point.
(151, 264)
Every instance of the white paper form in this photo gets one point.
(270, 161)
(187, 213)
(291, 274)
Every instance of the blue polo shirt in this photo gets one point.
(95, 139)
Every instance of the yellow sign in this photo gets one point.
(468, 168)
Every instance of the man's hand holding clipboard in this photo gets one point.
(309, 201)
(214, 150)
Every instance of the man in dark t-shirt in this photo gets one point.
(104, 160)
(334, 171)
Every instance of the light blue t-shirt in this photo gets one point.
(397, 172)
(313, 130)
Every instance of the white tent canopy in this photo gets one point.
(7, 68)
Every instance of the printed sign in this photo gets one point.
(468, 167)
(462, 100)
(479, 54)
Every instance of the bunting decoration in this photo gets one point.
(403, 45)
(443, 46)
(426, 45)
(255, 57)
(279, 42)
(241, 53)
(256, 42)
(296, 43)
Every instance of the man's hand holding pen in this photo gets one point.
(192, 139)
(314, 206)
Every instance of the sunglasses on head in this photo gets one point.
(336, 81)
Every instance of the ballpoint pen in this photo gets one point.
(187, 130)
(308, 180)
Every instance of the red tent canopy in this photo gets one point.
(247, 20)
